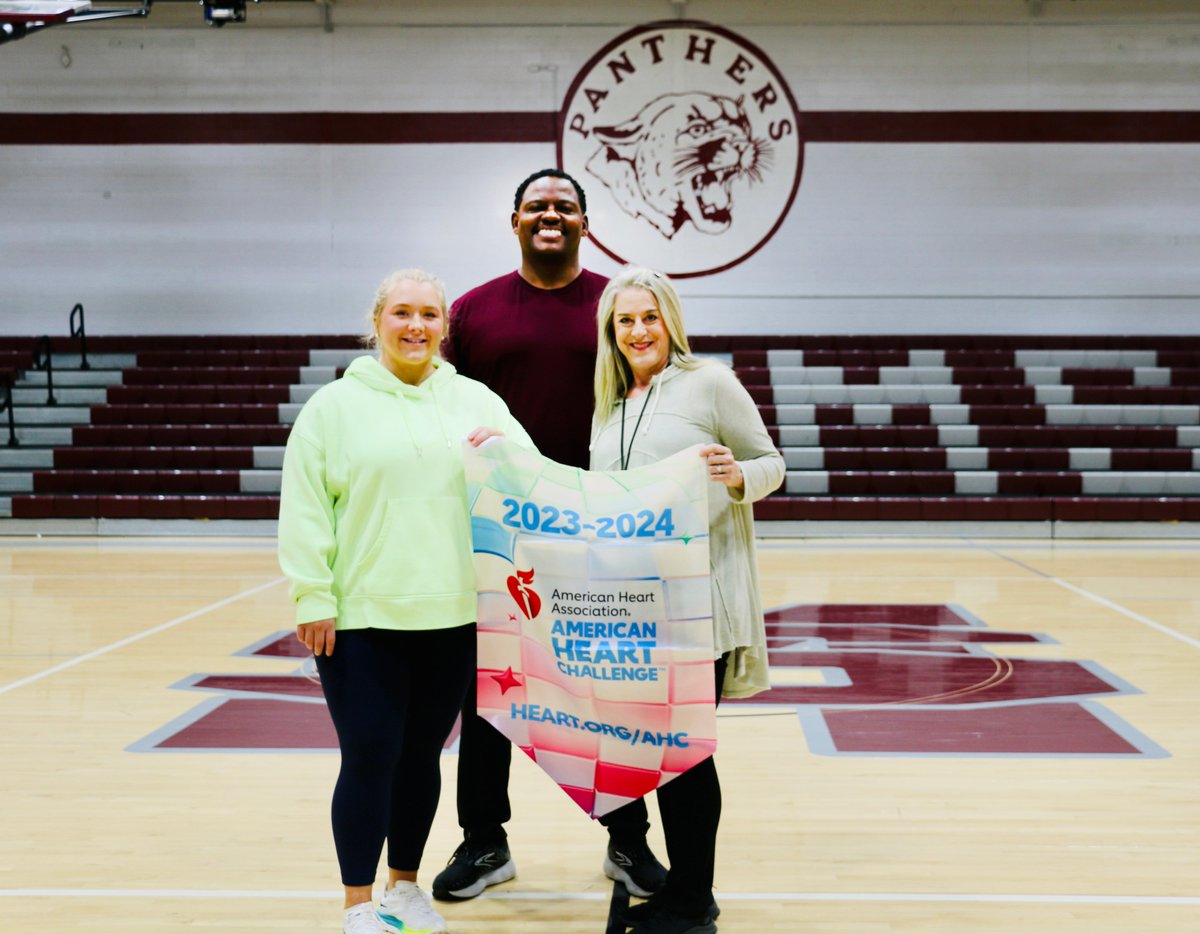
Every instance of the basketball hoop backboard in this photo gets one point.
(44, 12)
(20, 18)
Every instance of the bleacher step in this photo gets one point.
(260, 481)
(16, 482)
(66, 395)
(35, 436)
(16, 458)
(45, 415)
(317, 375)
(75, 377)
(96, 361)
(335, 358)
(269, 458)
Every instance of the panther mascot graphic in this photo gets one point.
(677, 159)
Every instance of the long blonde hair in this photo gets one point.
(614, 377)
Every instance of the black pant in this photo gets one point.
(484, 759)
(690, 808)
(393, 697)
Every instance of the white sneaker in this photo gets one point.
(407, 908)
(362, 919)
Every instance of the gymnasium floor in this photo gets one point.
(965, 736)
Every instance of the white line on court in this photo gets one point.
(1096, 598)
(962, 897)
(1137, 617)
(104, 650)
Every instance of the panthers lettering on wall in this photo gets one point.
(687, 141)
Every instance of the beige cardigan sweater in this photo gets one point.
(702, 406)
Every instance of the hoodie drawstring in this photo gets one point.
(437, 410)
(405, 398)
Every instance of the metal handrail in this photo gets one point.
(44, 360)
(81, 332)
(6, 405)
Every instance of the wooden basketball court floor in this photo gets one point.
(967, 735)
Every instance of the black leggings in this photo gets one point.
(393, 697)
(690, 808)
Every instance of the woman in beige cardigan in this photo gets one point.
(653, 399)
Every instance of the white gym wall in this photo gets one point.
(882, 237)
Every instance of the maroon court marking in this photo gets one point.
(1046, 729)
(918, 681)
(260, 725)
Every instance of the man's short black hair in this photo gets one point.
(549, 173)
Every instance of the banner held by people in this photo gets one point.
(595, 618)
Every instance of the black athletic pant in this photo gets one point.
(484, 758)
(393, 697)
(690, 808)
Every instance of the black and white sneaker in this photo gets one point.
(636, 866)
(472, 868)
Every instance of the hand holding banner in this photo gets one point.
(595, 618)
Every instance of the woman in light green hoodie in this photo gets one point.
(375, 537)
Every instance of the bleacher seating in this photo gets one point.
(920, 428)
(164, 427)
(1031, 429)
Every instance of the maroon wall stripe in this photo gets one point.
(266, 128)
(979, 126)
(1002, 126)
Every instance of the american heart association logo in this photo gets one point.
(526, 597)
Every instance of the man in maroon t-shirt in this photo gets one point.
(531, 336)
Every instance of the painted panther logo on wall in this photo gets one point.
(675, 162)
(687, 140)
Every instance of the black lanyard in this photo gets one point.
(625, 455)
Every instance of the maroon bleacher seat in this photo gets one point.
(887, 458)
(183, 414)
(225, 358)
(981, 359)
(180, 435)
(154, 458)
(1153, 459)
(754, 375)
(1084, 436)
(233, 394)
(891, 483)
(211, 376)
(998, 394)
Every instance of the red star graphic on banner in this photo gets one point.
(506, 680)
